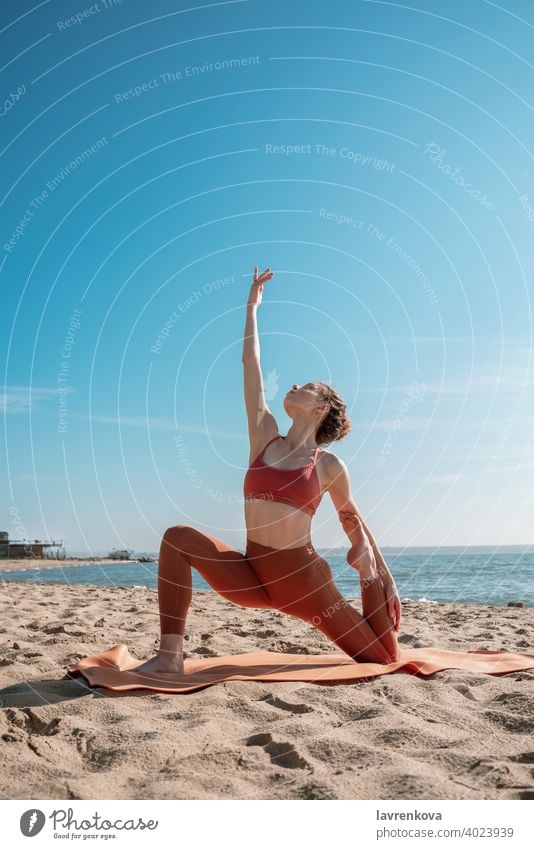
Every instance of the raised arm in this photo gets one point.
(364, 554)
(262, 425)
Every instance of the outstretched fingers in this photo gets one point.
(349, 521)
(264, 277)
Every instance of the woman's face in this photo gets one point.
(303, 398)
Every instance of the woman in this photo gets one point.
(280, 569)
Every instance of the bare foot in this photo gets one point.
(361, 557)
(159, 663)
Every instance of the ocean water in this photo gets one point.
(489, 577)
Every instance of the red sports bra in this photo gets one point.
(266, 482)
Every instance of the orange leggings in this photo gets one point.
(296, 581)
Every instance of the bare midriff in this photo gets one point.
(275, 524)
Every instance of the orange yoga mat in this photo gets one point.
(115, 669)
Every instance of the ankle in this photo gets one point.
(171, 646)
(368, 574)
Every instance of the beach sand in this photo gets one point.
(457, 735)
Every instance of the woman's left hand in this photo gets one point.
(350, 522)
(393, 601)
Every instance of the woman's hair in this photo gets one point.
(336, 423)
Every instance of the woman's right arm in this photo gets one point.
(261, 422)
(251, 342)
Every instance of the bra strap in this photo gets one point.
(262, 452)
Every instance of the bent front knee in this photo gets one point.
(176, 535)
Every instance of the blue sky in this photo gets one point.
(378, 157)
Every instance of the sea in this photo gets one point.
(482, 575)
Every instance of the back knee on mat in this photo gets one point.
(392, 658)
(384, 655)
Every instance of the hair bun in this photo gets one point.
(336, 424)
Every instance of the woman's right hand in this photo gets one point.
(256, 290)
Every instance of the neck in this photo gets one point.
(301, 435)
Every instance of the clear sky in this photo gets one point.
(377, 156)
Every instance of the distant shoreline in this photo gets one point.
(10, 565)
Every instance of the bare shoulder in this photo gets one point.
(331, 467)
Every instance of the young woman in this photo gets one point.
(286, 479)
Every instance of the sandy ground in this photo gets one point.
(48, 563)
(457, 735)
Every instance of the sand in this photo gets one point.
(456, 735)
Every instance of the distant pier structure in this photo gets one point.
(28, 549)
